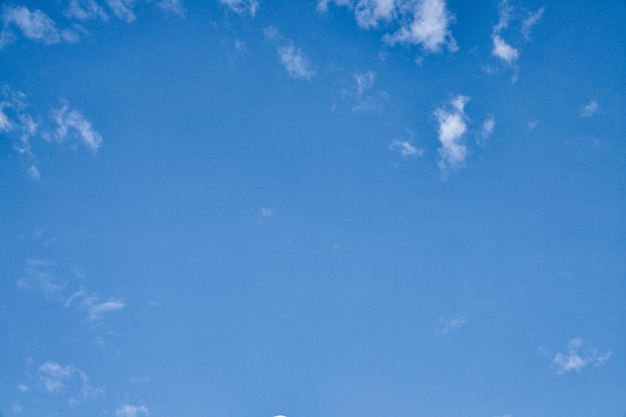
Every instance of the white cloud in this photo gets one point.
(429, 27)
(454, 323)
(172, 6)
(22, 388)
(96, 309)
(452, 127)
(577, 357)
(127, 410)
(531, 21)
(590, 109)
(501, 48)
(72, 123)
(532, 124)
(295, 62)
(359, 92)
(54, 376)
(242, 7)
(35, 25)
(85, 10)
(486, 129)
(405, 148)
(33, 172)
(418, 22)
(123, 9)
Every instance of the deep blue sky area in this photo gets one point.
(322, 208)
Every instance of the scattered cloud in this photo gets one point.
(55, 378)
(297, 64)
(451, 324)
(123, 9)
(96, 309)
(38, 276)
(34, 25)
(405, 148)
(265, 214)
(452, 126)
(22, 388)
(418, 22)
(72, 123)
(242, 7)
(85, 10)
(531, 21)
(364, 100)
(42, 276)
(172, 6)
(577, 356)
(429, 27)
(590, 109)
(33, 173)
(127, 410)
(503, 50)
(486, 130)
(532, 124)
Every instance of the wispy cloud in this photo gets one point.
(85, 10)
(42, 277)
(429, 27)
(55, 377)
(577, 356)
(451, 324)
(123, 9)
(127, 410)
(531, 21)
(418, 22)
(452, 126)
(297, 64)
(501, 48)
(486, 130)
(96, 309)
(590, 109)
(172, 6)
(242, 7)
(405, 148)
(360, 92)
(72, 123)
(34, 25)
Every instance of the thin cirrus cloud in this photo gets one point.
(85, 10)
(242, 7)
(42, 277)
(452, 122)
(73, 124)
(531, 21)
(451, 324)
(486, 130)
(55, 378)
(405, 148)
(360, 93)
(417, 22)
(34, 25)
(577, 356)
(295, 62)
(590, 109)
(128, 410)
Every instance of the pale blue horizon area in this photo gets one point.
(232, 208)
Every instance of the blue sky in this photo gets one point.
(312, 208)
